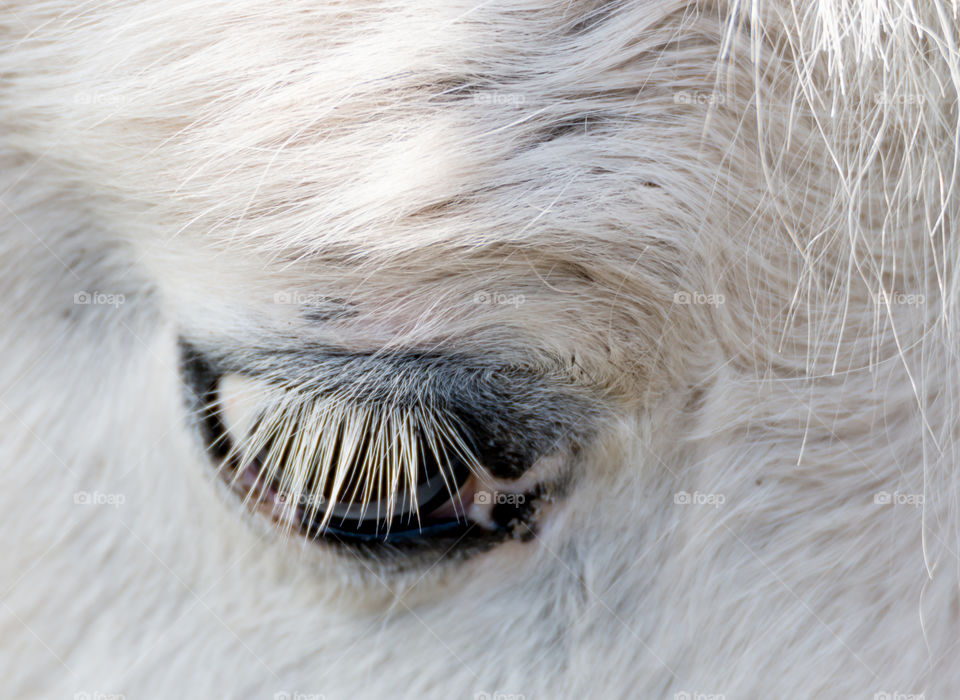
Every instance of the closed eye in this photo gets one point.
(410, 452)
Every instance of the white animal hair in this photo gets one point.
(554, 185)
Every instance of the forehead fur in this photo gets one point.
(798, 161)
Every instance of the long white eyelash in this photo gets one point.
(307, 441)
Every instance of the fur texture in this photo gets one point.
(732, 224)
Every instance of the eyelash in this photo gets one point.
(317, 454)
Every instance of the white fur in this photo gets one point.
(793, 164)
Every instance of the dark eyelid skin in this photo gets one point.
(514, 414)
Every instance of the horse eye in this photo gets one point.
(415, 452)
